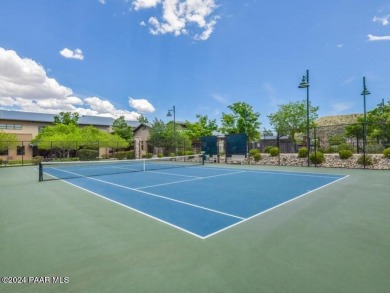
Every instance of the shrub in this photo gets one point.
(253, 152)
(317, 158)
(130, 155)
(147, 156)
(345, 154)
(360, 160)
(160, 155)
(374, 148)
(302, 152)
(336, 140)
(36, 160)
(257, 157)
(386, 153)
(268, 148)
(121, 155)
(87, 154)
(345, 146)
(1, 162)
(274, 152)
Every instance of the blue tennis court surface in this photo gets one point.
(202, 200)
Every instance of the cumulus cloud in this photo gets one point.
(382, 20)
(141, 105)
(372, 38)
(181, 17)
(25, 78)
(102, 1)
(25, 86)
(143, 4)
(72, 54)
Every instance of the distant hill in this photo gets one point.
(337, 120)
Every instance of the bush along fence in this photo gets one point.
(27, 153)
(336, 146)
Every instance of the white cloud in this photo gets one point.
(372, 38)
(144, 4)
(24, 78)
(341, 107)
(221, 99)
(141, 105)
(340, 45)
(7, 101)
(72, 54)
(102, 1)
(349, 80)
(99, 105)
(382, 20)
(181, 17)
(25, 86)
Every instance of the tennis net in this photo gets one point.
(75, 169)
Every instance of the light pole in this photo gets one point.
(305, 84)
(365, 93)
(173, 110)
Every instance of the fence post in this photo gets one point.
(315, 146)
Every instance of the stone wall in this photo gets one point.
(331, 161)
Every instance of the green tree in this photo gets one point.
(291, 118)
(63, 138)
(142, 119)
(242, 120)
(157, 133)
(60, 138)
(67, 118)
(8, 140)
(162, 135)
(377, 125)
(203, 127)
(121, 128)
(177, 136)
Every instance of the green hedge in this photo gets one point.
(87, 154)
(122, 155)
(36, 160)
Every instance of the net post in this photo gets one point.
(40, 172)
(203, 157)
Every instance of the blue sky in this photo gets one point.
(126, 57)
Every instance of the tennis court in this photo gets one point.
(187, 195)
(203, 228)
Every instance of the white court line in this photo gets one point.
(172, 174)
(290, 173)
(194, 179)
(135, 210)
(156, 195)
(216, 232)
(274, 207)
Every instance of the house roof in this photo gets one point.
(49, 118)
